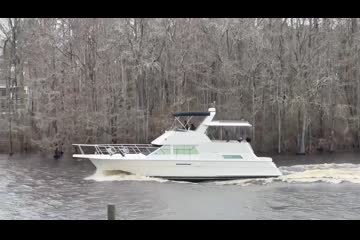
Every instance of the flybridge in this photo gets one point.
(188, 134)
(208, 120)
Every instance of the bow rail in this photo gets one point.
(110, 149)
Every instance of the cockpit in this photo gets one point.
(235, 131)
(185, 121)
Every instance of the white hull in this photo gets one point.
(189, 170)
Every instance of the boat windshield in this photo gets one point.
(187, 122)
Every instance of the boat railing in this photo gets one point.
(110, 149)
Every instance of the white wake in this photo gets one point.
(329, 173)
(121, 176)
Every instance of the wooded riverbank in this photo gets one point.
(65, 80)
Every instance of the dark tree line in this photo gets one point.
(118, 80)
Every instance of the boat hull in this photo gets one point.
(197, 170)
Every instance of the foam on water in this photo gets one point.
(247, 182)
(120, 176)
(329, 173)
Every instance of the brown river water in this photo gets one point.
(325, 186)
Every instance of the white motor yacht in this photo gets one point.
(184, 153)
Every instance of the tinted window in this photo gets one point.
(232, 156)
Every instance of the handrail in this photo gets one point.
(111, 149)
(105, 144)
(124, 149)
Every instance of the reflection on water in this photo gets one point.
(313, 187)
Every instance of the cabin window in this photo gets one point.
(178, 150)
(183, 149)
(232, 156)
(163, 150)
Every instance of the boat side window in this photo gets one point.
(178, 150)
(185, 149)
(232, 156)
(163, 150)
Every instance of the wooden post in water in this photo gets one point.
(111, 212)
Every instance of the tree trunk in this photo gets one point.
(278, 115)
